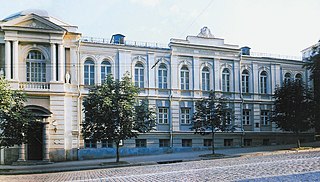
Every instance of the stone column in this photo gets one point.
(15, 60)
(8, 59)
(46, 141)
(61, 63)
(98, 72)
(22, 156)
(217, 75)
(53, 62)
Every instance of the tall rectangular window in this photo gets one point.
(205, 79)
(185, 115)
(162, 76)
(246, 117)
(225, 80)
(89, 72)
(139, 75)
(245, 81)
(105, 70)
(264, 115)
(184, 74)
(162, 115)
(263, 82)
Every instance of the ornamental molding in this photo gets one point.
(139, 58)
(226, 65)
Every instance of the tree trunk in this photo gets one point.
(298, 141)
(213, 141)
(118, 153)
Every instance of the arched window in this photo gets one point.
(89, 72)
(298, 78)
(105, 70)
(245, 81)
(205, 79)
(36, 67)
(287, 78)
(263, 82)
(225, 80)
(184, 78)
(139, 75)
(163, 76)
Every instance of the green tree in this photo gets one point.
(14, 118)
(293, 108)
(112, 113)
(211, 115)
(313, 64)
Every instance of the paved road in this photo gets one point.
(299, 166)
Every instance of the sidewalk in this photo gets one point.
(148, 159)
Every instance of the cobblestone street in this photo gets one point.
(303, 166)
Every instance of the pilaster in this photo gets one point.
(22, 156)
(61, 63)
(8, 59)
(53, 62)
(15, 60)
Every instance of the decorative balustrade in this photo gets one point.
(34, 85)
(126, 42)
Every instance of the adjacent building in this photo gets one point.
(56, 66)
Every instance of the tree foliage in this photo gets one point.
(112, 113)
(313, 64)
(14, 117)
(293, 108)
(211, 115)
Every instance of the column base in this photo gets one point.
(46, 160)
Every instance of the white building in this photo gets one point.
(55, 65)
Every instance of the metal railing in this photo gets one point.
(277, 56)
(126, 42)
(34, 85)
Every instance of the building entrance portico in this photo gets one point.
(37, 147)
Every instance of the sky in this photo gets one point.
(270, 26)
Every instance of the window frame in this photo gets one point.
(205, 79)
(105, 70)
(184, 78)
(246, 117)
(90, 143)
(163, 143)
(36, 68)
(263, 82)
(245, 76)
(139, 76)
(141, 143)
(106, 144)
(90, 78)
(265, 117)
(164, 115)
(186, 142)
(225, 80)
(185, 115)
(287, 78)
(163, 76)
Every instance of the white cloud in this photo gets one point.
(151, 3)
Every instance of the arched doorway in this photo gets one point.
(36, 146)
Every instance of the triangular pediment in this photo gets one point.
(33, 22)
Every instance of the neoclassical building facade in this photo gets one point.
(56, 66)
